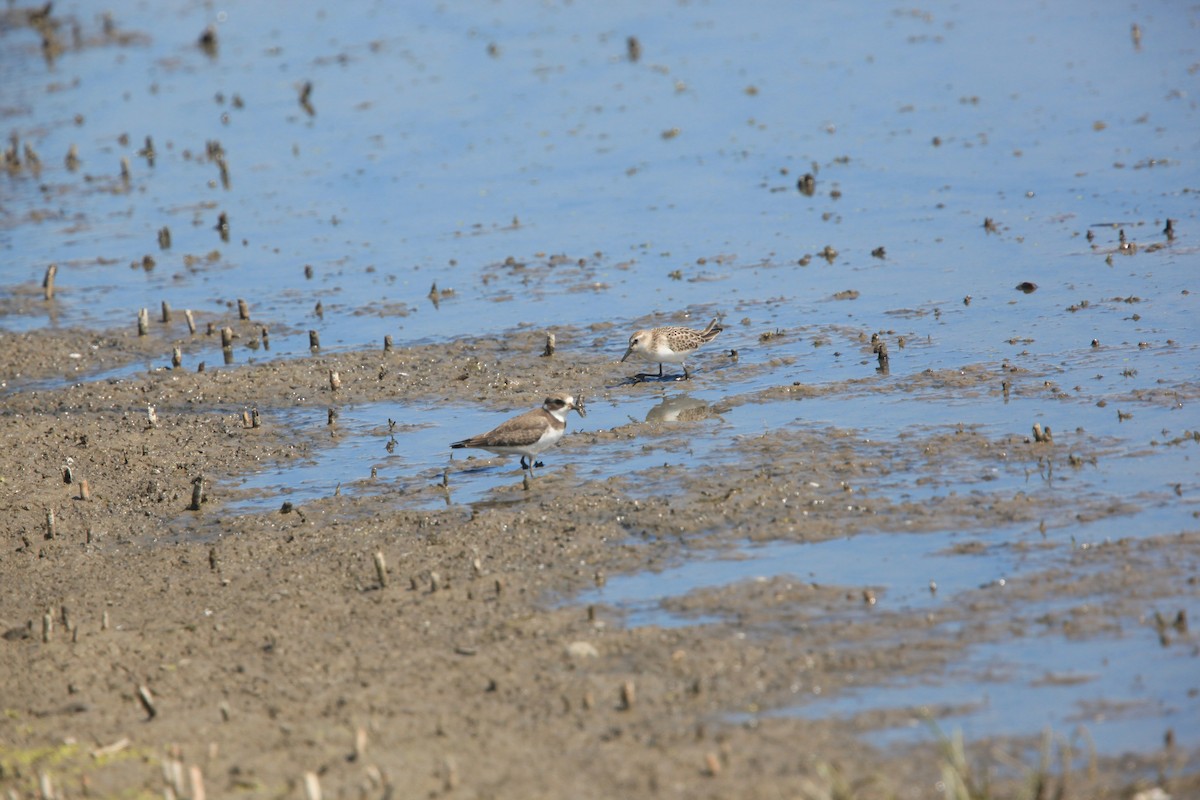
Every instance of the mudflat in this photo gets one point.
(923, 522)
(353, 647)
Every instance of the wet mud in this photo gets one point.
(429, 625)
(438, 652)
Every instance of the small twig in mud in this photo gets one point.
(147, 701)
(197, 781)
(312, 786)
(628, 695)
(111, 749)
(197, 494)
(306, 99)
(381, 569)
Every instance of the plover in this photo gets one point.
(669, 345)
(530, 433)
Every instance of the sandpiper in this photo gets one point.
(530, 433)
(669, 345)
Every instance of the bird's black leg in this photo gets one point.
(524, 465)
(641, 376)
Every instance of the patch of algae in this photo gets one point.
(62, 765)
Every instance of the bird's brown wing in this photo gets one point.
(516, 432)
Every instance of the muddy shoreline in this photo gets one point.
(922, 554)
(270, 646)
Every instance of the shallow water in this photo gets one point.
(631, 192)
(1095, 692)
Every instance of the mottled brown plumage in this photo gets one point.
(669, 345)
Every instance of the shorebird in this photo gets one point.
(530, 433)
(670, 345)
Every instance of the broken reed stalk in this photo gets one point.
(176, 358)
(48, 281)
(143, 322)
(85, 492)
(387, 343)
(551, 343)
(173, 776)
(381, 569)
(243, 309)
(51, 526)
(166, 312)
(47, 627)
(312, 786)
(191, 321)
(314, 340)
(881, 351)
(255, 419)
(147, 701)
(111, 749)
(197, 781)
(628, 695)
(197, 494)
(335, 380)
(360, 744)
(226, 338)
